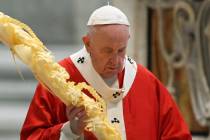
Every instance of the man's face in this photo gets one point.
(107, 47)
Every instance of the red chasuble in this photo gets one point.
(148, 109)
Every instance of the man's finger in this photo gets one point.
(82, 121)
(81, 113)
(73, 112)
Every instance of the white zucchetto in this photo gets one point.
(107, 15)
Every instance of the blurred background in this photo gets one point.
(169, 37)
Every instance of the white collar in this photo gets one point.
(83, 63)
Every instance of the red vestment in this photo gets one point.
(149, 111)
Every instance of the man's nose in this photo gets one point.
(114, 59)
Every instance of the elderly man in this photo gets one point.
(135, 99)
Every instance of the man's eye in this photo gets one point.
(121, 50)
(108, 51)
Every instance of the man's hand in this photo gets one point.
(76, 116)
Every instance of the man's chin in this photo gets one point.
(110, 74)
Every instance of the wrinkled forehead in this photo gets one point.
(107, 34)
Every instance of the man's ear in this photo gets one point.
(86, 42)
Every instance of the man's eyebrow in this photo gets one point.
(124, 47)
(107, 48)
